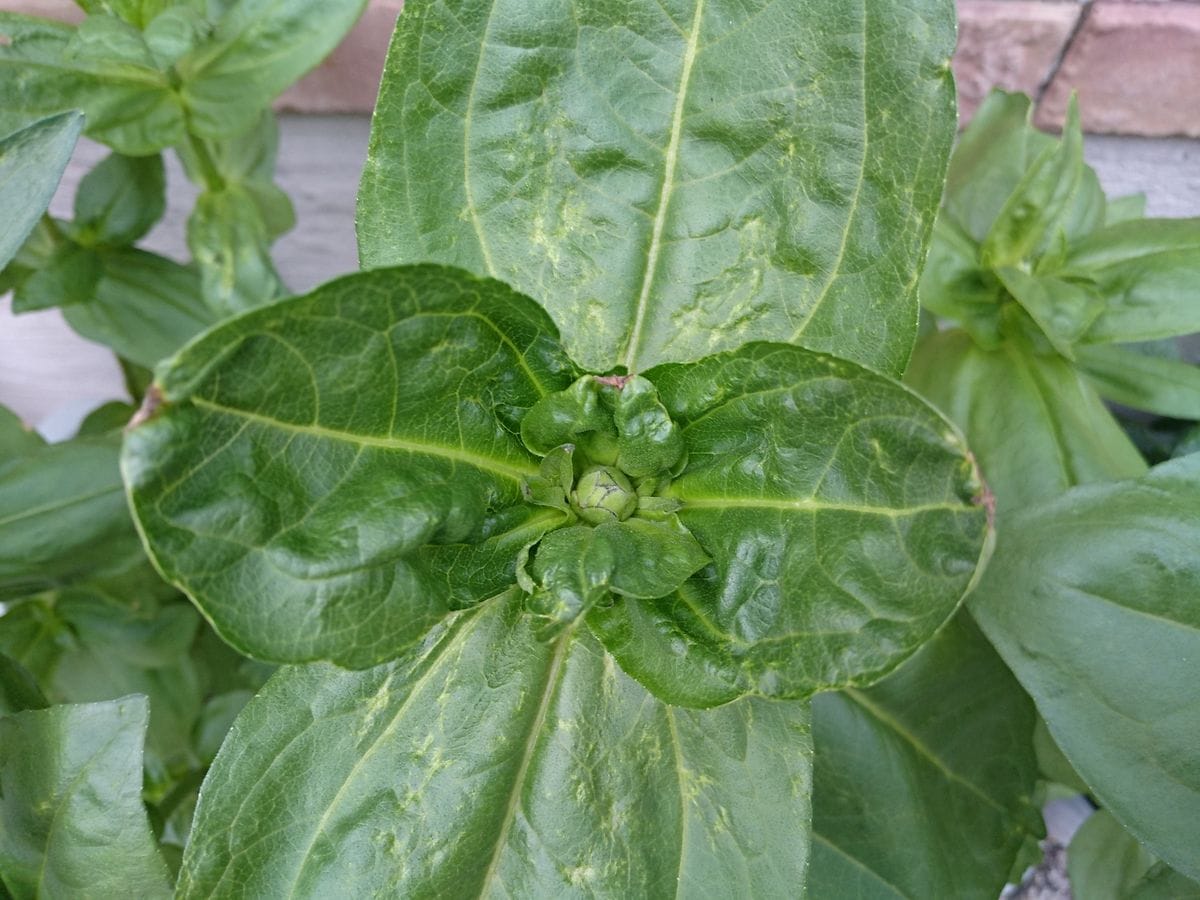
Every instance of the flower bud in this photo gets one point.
(604, 494)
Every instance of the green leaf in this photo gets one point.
(69, 277)
(145, 307)
(1042, 202)
(120, 200)
(576, 568)
(1164, 386)
(671, 180)
(245, 165)
(1053, 764)
(1104, 861)
(989, 161)
(1035, 423)
(1063, 311)
(137, 13)
(955, 286)
(1123, 209)
(1146, 270)
(116, 648)
(231, 245)
(19, 690)
(31, 163)
(175, 32)
(72, 822)
(844, 517)
(1090, 600)
(16, 438)
(346, 460)
(1164, 883)
(568, 779)
(923, 784)
(257, 48)
(47, 67)
(63, 516)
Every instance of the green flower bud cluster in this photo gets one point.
(603, 494)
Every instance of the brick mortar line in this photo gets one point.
(1085, 10)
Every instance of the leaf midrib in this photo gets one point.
(895, 726)
(811, 504)
(664, 198)
(404, 445)
(539, 721)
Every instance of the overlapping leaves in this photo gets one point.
(359, 502)
(1055, 288)
(486, 762)
(1107, 576)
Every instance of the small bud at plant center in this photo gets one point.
(604, 494)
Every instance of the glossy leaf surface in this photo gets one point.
(1090, 599)
(923, 784)
(844, 517)
(671, 180)
(486, 763)
(31, 162)
(1035, 423)
(72, 822)
(346, 460)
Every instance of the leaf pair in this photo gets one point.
(359, 503)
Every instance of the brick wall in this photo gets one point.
(1134, 63)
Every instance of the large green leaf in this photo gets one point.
(1035, 423)
(486, 763)
(671, 179)
(102, 68)
(1091, 600)
(923, 783)
(328, 476)
(31, 163)
(63, 516)
(72, 822)
(844, 516)
(257, 48)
